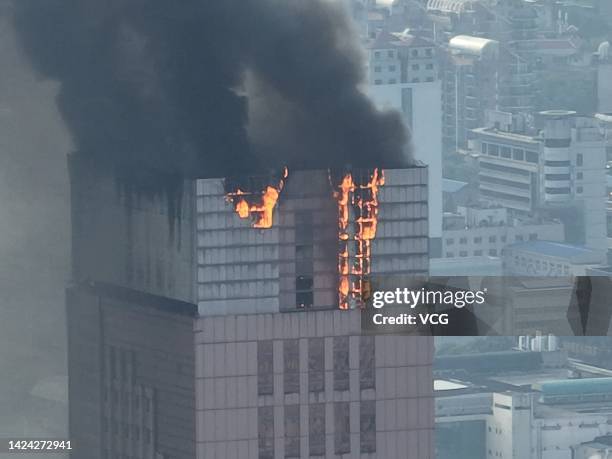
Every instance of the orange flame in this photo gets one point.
(263, 211)
(362, 199)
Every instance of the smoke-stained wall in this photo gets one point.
(130, 240)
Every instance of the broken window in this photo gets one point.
(291, 374)
(303, 292)
(316, 365)
(292, 431)
(341, 363)
(316, 429)
(342, 428)
(367, 373)
(265, 421)
(367, 423)
(265, 375)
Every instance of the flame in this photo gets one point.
(269, 199)
(262, 211)
(362, 200)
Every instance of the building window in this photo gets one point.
(392, 81)
(493, 150)
(450, 255)
(533, 236)
(579, 160)
(415, 53)
(341, 363)
(390, 53)
(450, 241)
(416, 80)
(415, 67)
(292, 431)
(579, 190)
(377, 54)
(518, 237)
(503, 238)
(579, 176)
(557, 163)
(316, 429)
(463, 254)
(429, 79)
(532, 157)
(304, 296)
(291, 359)
(483, 148)
(367, 370)
(367, 425)
(493, 252)
(392, 68)
(265, 421)
(463, 240)
(557, 176)
(377, 69)
(506, 152)
(429, 66)
(477, 240)
(265, 376)
(564, 190)
(377, 82)
(342, 428)
(478, 253)
(492, 239)
(518, 154)
(316, 365)
(429, 52)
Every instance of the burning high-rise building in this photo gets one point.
(327, 237)
(154, 101)
(233, 376)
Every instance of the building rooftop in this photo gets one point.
(390, 40)
(451, 6)
(473, 45)
(508, 135)
(452, 186)
(491, 362)
(576, 253)
(577, 386)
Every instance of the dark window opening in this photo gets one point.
(291, 359)
(265, 421)
(265, 376)
(316, 365)
(316, 427)
(292, 431)
(367, 422)
(342, 428)
(341, 363)
(367, 370)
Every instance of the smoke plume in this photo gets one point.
(157, 91)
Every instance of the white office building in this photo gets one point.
(558, 172)
(403, 76)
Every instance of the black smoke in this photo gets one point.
(158, 90)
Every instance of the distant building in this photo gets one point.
(469, 72)
(403, 76)
(520, 404)
(457, 193)
(559, 172)
(604, 76)
(599, 448)
(485, 231)
(546, 258)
